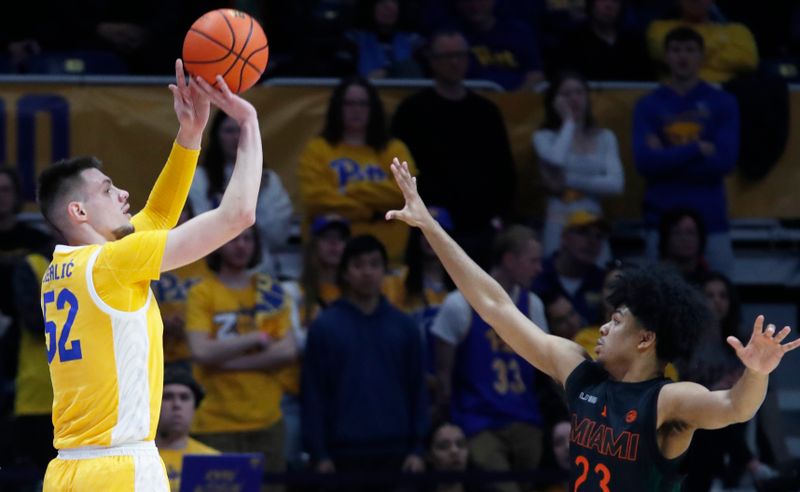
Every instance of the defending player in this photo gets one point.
(630, 427)
(103, 328)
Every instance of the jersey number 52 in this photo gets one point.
(73, 352)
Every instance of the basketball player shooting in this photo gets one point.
(630, 425)
(102, 325)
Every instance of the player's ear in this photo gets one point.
(76, 212)
(647, 339)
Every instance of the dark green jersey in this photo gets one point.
(613, 443)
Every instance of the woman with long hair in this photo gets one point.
(274, 210)
(579, 161)
(346, 169)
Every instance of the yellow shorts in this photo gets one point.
(128, 468)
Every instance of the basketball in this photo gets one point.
(226, 42)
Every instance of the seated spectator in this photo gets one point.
(239, 331)
(579, 161)
(346, 169)
(722, 453)
(455, 132)
(363, 392)
(572, 270)
(182, 395)
(171, 291)
(729, 47)
(380, 47)
(274, 210)
(503, 50)
(685, 141)
(603, 48)
(448, 452)
(560, 436)
(682, 241)
(491, 390)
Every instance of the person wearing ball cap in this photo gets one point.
(104, 330)
(182, 396)
(572, 271)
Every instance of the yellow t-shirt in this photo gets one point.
(173, 460)
(34, 393)
(171, 292)
(729, 48)
(588, 337)
(237, 400)
(102, 327)
(356, 182)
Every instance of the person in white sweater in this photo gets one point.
(274, 210)
(579, 161)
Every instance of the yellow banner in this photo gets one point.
(130, 128)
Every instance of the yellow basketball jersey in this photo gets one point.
(103, 333)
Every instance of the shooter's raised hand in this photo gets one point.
(191, 104)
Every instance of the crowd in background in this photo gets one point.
(370, 360)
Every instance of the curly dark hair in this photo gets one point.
(662, 302)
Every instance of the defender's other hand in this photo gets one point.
(764, 351)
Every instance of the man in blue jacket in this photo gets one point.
(363, 394)
(685, 140)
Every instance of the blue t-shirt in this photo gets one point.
(503, 54)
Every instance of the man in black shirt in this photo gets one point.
(459, 142)
(630, 425)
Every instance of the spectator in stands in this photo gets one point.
(171, 291)
(685, 141)
(562, 319)
(603, 48)
(560, 436)
(448, 452)
(420, 287)
(363, 393)
(316, 290)
(182, 395)
(455, 133)
(17, 237)
(274, 210)
(17, 240)
(579, 161)
(32, 429)
(722, 453)
(572, 270)
(729, 47)
(239, 331)
(502, 50)
(489, 388)
(681, 242)
(346, 169)
(381, 48)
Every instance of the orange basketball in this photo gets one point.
(226, 42)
